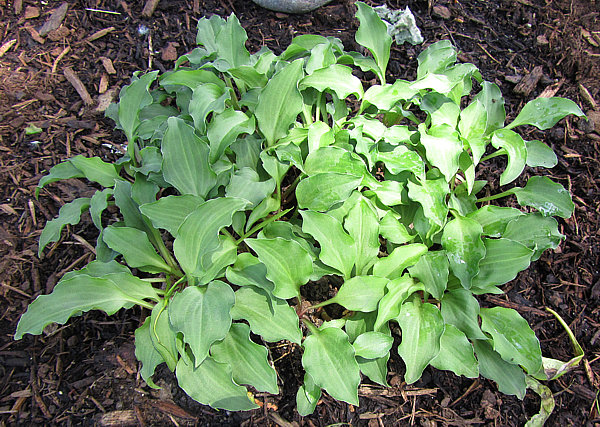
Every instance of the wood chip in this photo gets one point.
(6, 46)
(32, 12)
(585, 94)
(589, 37)
(552, 90)
(7, 209)
(55, 19)
(149, 8)
(60, 33)
(59, 57)
(441, 12)
(103, 85)
(171, 408)
(18, 6)
(99, 34)
(106, 99)
(35, 35)
(118, 418)
(78, 85)
(169, 53)
(108, 65)
(529, 82)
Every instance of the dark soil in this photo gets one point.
(85, 372)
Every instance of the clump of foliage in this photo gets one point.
(250, 176)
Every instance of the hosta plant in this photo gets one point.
(249, 178)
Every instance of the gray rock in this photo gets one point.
(401, 25)
(291, 6)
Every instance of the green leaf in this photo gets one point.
(212, 384)
(491, 98)
(460, 308)
(540, 155)
(372, 345)
(64, 170)
(432, 270)
(308, 396)
(280, 102)
(543, 113)
(249, 76)
(472, 126)
(372, 34)
(189, 78)
(336, 78)
(128, 207)
(248, 360)
(360, 293)
(215, 261)
(431, 195)
(164, 338)
(402, 159)
(422, 327)
(363, 225)
(230, 43)
(393, 230)
(136, 248)
(494, 219)
(456, 354)
(510, 378)
(224, 128)
(169, 212)
(398, 290)
(94, 169)
(517, 153)
(202, 315)
(98, 203)
(332, 238)
(401, 257)
(512, 337)
(246, 184)
(534, 231)
(69, 213)
(502, 262)
(323, 190)
(443, 148)
(384, 97)
(436, 58)
(198, 235)
(132, 99)
(71, 297)
(146, 353)
(548, 197)
(320, 135)
(270, 317)
(441, 109)
(462, 241)
(289, 272)
(207, 32)
(329, 359)
(248, 270)
(207, 98)
(185, 160)
(337, 160)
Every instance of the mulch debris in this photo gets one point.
(62, 63)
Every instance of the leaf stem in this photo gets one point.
(495, 196)
(292, 187)
(307, 115)
(172, 288)
(497, 153)
(262, 225)
(311, 327)
(234, 99)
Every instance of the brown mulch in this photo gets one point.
(57, 63)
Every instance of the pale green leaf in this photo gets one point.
(287, 272)
(320, 135)
(548, 197)
(502, 262)
(461, 309)
(230, 42)
(189, 78)
(248, 360)
(224, 128)
(431, 195)
(323, 190)
(422, 327)
(329, 359)
(94, 169)
(360, 293)
(169, 212)
(517, 153)
(401, 257)
(249, 271)
(432, 271)
(280, 102)
(436, 58)
(336, 78)
(510, 378)
(268, 316)
(146, 353)
(472, 126)
(337, 160)
(132, 99)
(363, 225)
(441, 109)
(456, 354)
(402, 159)
(163, 337)
(198, 234)
(464, 248)
(372, 34)
(333, 240)
(185, 160)
(207, 98)
(398, 290)
(393, 230)
(443, 148)
(491, 98)
(512, 337)
(136, 248)
(494, 219)
(372, 345)
(543, 113)
(212, 384)
(308, 396)
(535, 231)
(201, 313)
(98, 203)
(64, 170)
(246, 184)
(69, 213)
(540, 155)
